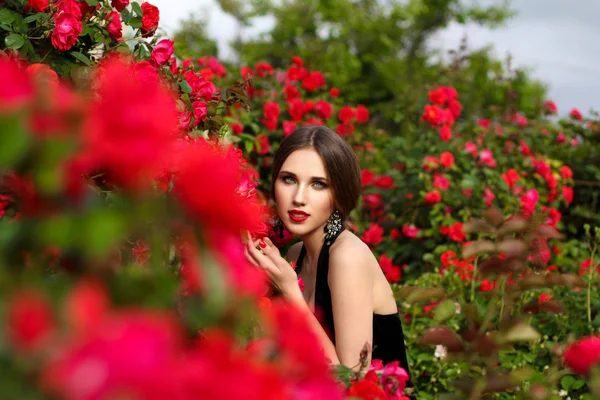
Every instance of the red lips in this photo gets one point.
(298, 216)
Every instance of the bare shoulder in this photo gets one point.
(293, 252)
(350, 253)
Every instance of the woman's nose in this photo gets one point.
(300, 196)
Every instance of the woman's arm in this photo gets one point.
(351, 287)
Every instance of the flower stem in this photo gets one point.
(473, 279)
(589, 290)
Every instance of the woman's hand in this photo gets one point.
(263, 254)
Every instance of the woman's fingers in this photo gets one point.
(250, 259)
(261, 259)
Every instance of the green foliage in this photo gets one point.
(376, 52)
(192, 39)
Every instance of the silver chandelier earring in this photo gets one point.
(333, 227)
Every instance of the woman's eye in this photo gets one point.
(319, 185)
(288, 179)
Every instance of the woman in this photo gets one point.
(316, 184)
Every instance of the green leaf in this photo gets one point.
(34, 17)
(444, 311)
(14, 141)
(137, 9)
(579, 383)
(144, 53)
(100, 231)
(6, 16)
(81, 57)
(14, 41)
(185, 86)
(135, 23)
(522, 332)
(566, 382)
(248, 146)
(92, 3)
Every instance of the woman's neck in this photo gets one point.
(313, 243)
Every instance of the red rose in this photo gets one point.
(297, 60)
(150, 19)
(288, 127)
(583, 354)
(200, 110)
(445, 133)
(86, 9)
(345, 128)
(16, 88)
(119, 5)
(366, 177)
(433, 197)
(37, 5)
(447, 159)
(372, 201)
(567, 194)
(66, 31)
(114, 26)
(550, 107)
(162, 52)
(366, 390)
(346, 113)
(438, 96)
(224, 208)
(334, 92)
(392, 272)
(323, 109)
(384, 182)
(263, 146)
(576, 114)
(313, 81)
(145, 72)
(362, 114)
(374, 235)
(130, 136)
(566, 172)
(69, 7)
(434, 115)
(29, 320)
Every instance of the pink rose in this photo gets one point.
(114, 26)
(162, 52)
(66, 31)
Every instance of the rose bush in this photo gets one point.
(113, 249)
(121, 209)
(420, 192)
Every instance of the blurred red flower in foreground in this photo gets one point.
(29, 320)
(130, 126)
(206, 182)
(16, 88)
(583, 354)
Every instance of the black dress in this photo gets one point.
(388, 337)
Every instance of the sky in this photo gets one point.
(558, 40)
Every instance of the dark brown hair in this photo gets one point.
(341, 163)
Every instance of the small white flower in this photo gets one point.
(458, 309)
(563, 393)
(440, 352)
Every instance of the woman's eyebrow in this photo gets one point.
(294, 175)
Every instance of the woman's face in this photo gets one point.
(303, 193)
